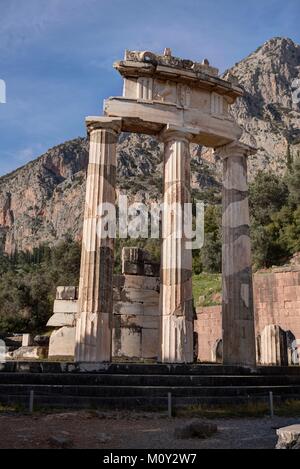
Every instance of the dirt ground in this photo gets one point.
(128, 430)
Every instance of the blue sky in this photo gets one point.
(56, 55)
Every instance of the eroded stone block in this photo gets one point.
(66, 293)
(62, 342)
(61, 319)
(65, 306)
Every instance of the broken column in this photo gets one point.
(237, 299)
(274, 346)
(176, 259)
(94, 323)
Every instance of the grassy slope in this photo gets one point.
(208, 286)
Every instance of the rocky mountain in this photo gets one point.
(43, 201)
(267, 114)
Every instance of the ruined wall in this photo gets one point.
(208, 326)
(136, 315)
(276, 302)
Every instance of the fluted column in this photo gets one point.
(94, 321)
(237, 298)
(176, 260)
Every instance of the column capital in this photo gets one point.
(174, 132)
(111, 124)
(236, 148)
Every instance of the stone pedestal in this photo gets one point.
(94, 323)
(176, 259)
(237, 303)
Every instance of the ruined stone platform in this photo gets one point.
(120, 385)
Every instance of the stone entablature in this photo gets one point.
(162, 90)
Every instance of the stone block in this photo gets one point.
(150, 343)
(61, 319)
(134, 255)
(151, 269)
(118, 281)
(127, 342)
(132, 268)
(151, 310)
(41, 340)
(66, 293)
(151, 322)
(288, 437)
(27, 340)
(292, 305)
(31, 352)
(139, 295)
(62, 342)
(123, 307)
(140, 281)
(124, 320)
(65, 306)
(291, 293)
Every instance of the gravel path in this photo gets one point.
(131, 431)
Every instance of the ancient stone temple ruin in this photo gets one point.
(181, 102)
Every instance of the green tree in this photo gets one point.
(211, 253)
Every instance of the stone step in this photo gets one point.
(93, 379)
(144, 369)
(146, 391)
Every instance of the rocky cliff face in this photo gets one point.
(267, 114)
(43, 201)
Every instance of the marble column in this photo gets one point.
(94, 319)
(237, 303)
(176, 260)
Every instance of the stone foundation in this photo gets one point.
(136, 316)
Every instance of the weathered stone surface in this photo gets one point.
(127, 342)
(273, 346)
(150, 58)
(135, 281)
(65, 306)
(217, 351)
(66, 293)
(27, 340)
(62, 342)
(32, 352)
(95, 305)
(42, 340)
(288, 437)
(150, 342)
(196, 429)
(176, 268)
(137, 261)
(237, 289)
(61, 319)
